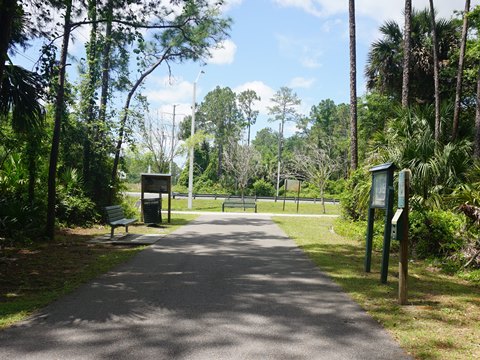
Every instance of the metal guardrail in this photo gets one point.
(272, 198)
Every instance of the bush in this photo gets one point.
(206, 186)
(19, 222)
(73, 206)
(435, 233)
(336, 187)
(76, 210)
(358, 230)
(263, 188)
(131, 209)
(354, 200)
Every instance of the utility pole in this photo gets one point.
(280, 136)
(173, 142)
(192, 133)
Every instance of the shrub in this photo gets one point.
(435, 233)
(336, 187)
(262, 187)
(354, 199)
(75, 210)
(358, 230)
(73, 206)
(18, 221)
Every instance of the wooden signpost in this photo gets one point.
(292, 185)
(403, 195)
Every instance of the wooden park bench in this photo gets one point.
(239, 203)
(116, 218)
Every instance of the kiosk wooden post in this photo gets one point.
(403, 195)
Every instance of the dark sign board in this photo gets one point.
(156, 183)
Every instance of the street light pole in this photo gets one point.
(192, 133)
(173, 141)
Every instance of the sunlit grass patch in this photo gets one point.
(442, 320)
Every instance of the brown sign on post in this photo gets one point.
(292, 185)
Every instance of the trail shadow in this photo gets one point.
(218, 288)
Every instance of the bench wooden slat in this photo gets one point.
(116, 217)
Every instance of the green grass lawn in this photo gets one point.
(262, 207)
(33, 275)
(442, 318)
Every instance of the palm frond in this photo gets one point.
(20, 95)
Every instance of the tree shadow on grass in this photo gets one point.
(344, 263)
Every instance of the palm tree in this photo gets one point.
(436, 169)
(20, 94)
(407, 34)
(7, 14)
(461, 58)
(353, 86)
(476, 148)
(385, 61)
(436, 76)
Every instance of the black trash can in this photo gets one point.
(152, 211)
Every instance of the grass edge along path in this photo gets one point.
(442, 320)
(35, 275)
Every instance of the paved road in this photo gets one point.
(222, 287)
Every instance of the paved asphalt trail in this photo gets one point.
(222, 287)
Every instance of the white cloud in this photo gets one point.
(229, 4)
(264, 91)
(374, 9)
(320, 8)
(224, 53)
(330, 25)
(310, 63)
(307, 52)
(168, 90)
(301, 82)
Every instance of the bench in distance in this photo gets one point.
(239, 203)
(116, 218)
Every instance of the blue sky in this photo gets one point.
(302, 44)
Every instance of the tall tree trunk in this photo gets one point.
(407, 32)
(89, 92)
(476, 146)
(279, 165)
(107, 49)
(353, 86)
(461, 58)
(220, 160)
(6, 22)
(436, 76)
(59, 107)
(123, 121)
(32, 147)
